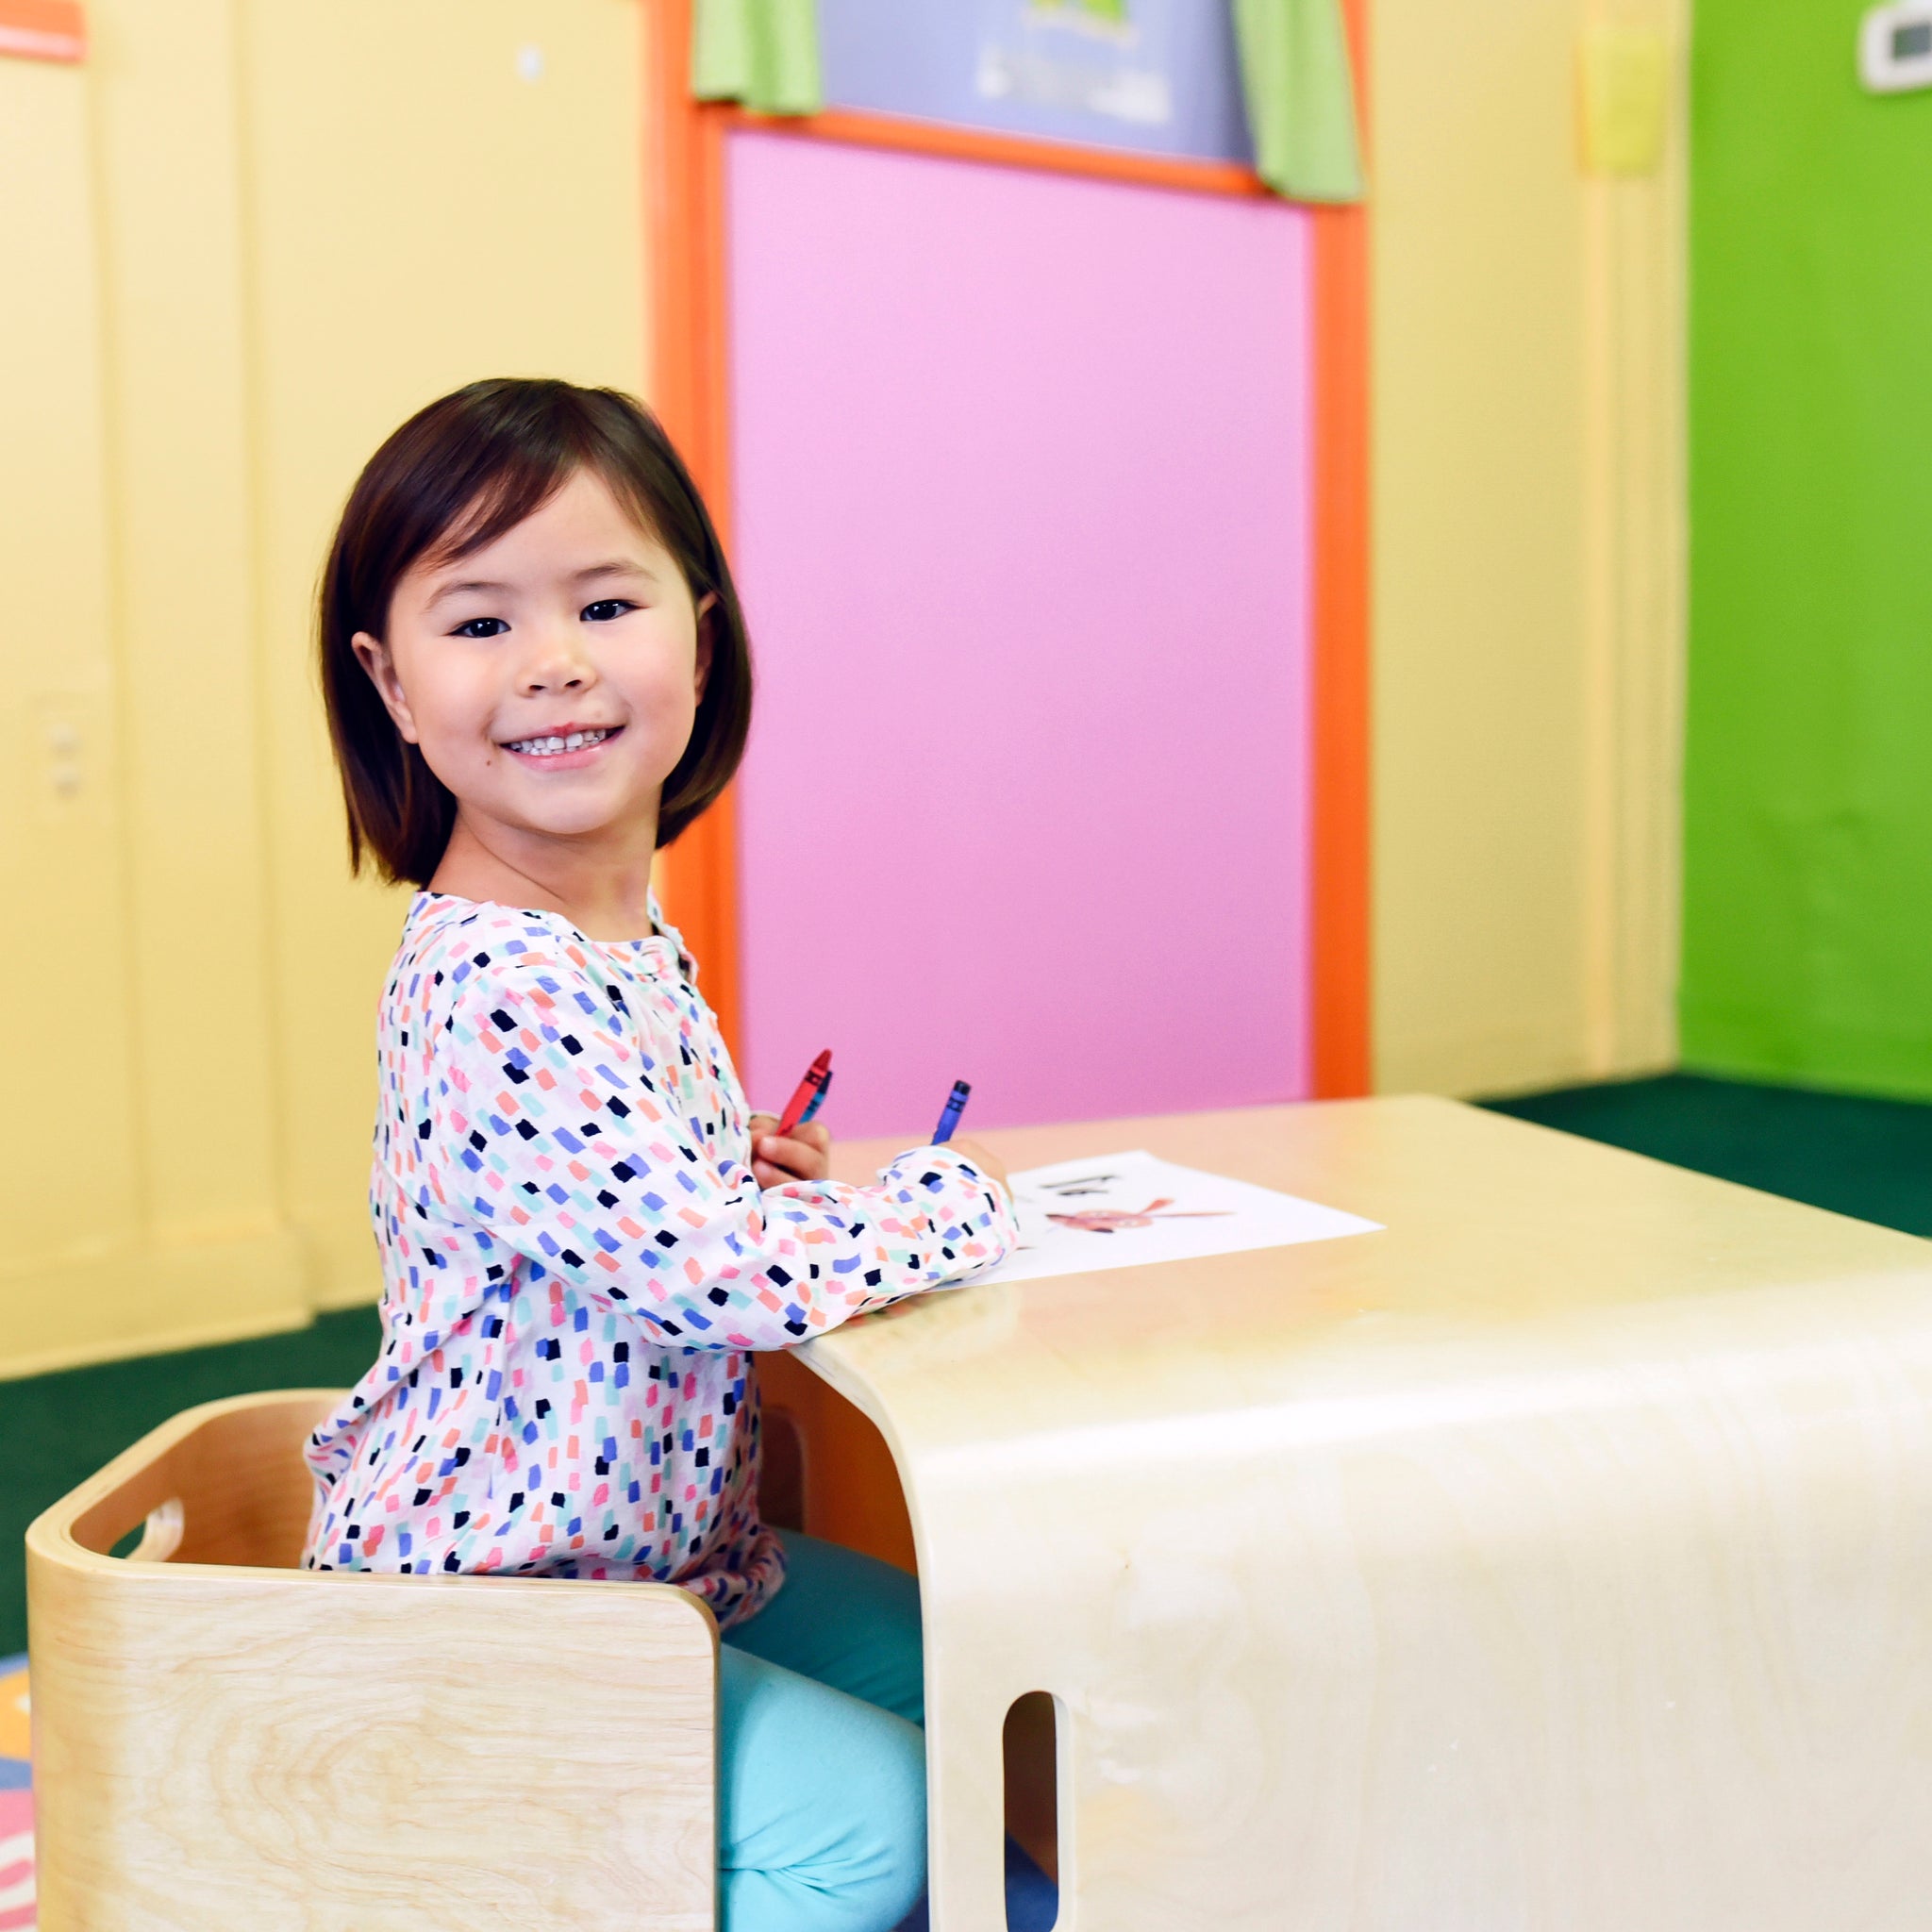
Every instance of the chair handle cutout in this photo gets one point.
(167, 1522)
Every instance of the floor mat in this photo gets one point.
(16, 1802)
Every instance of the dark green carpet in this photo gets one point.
(1872, 1159)
(1868, 1158)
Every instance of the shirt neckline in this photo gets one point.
(666, 941)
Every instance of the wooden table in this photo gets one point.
(1559, 1558)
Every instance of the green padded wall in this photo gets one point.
(1807, 944)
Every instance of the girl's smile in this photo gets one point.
(564, 747)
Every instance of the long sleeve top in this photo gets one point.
(578, 1264)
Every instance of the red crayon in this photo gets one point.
(815, 1077)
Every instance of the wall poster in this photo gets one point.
(1151, 76)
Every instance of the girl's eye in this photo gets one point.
(605, 609)
(481, 627)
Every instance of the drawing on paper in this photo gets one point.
(1150, 1209)
(1111, 1221)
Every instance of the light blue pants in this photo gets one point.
(822, 1761)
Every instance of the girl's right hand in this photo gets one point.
(984, 1160)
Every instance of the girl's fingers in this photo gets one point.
(796, 1158)
(803, 1155)
(983, 1159)
(768, 1177)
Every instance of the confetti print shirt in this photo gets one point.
(578, 1264)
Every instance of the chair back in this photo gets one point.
(226, 1742)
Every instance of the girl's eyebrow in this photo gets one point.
(617, 567)
(444, 590)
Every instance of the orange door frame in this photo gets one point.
(684, 191)
(43, 30)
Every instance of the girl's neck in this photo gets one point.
(603, 888)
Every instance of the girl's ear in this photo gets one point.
(706, 604)
(374, 657)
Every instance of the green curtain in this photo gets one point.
(765, 53)
(1301, 97)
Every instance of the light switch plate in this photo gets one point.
(1896, 47)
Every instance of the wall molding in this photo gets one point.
(1636, 579)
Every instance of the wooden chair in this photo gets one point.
(226, 1742)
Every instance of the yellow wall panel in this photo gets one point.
(262, 232)
(1527, 600)
(424, 214)
(70, 1173)
(184, 602)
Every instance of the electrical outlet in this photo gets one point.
(66, 756)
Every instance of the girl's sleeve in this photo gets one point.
(544, 1125)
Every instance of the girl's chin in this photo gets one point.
(587, 818)
(589, 827)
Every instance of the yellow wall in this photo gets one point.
(1529, 537)
(262, 232)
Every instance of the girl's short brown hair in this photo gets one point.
(453, 479)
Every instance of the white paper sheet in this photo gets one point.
(1124, 1210)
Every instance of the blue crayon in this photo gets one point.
(956, 1105)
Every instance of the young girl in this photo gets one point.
(537, 674)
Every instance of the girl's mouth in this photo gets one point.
(563, 750)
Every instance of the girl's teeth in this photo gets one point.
(543, 747)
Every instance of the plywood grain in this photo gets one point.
(225, 1744)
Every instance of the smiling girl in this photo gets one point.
(537, 674)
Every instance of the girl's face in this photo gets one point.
(550, 677)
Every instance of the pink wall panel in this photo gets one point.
(1022, 468)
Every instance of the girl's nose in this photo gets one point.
(556, 665)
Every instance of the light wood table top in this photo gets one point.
(1559, 1557)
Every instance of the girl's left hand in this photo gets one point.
(803, 1155)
